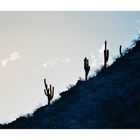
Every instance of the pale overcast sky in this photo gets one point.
(52, 45)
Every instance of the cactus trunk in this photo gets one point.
(106, 55)
(85, 76)
(48, 102)
(86, 67)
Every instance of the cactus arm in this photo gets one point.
(50, 88)
(88, 68)
(51, 92)
(45, 92)
(107, 55)
(45, 83)
(120, 50)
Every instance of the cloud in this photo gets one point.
(101, 50)
(45, 64)
(95, 62)
(66, 60)
(50, 63)
(56, 61)
(14, 56)
(4, 62)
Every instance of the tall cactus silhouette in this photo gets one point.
(86, 67)
(106, 55)
(120, 49)
(49, 92)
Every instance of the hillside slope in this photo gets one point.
(109, 100)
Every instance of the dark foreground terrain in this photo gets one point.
(111, 99)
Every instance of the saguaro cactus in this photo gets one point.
(106, 55)
(49, 92)
(120, 49)
(86, 67)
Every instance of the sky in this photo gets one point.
(52, 45)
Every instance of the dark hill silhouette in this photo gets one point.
(111, 99)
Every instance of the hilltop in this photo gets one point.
(111, 99)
